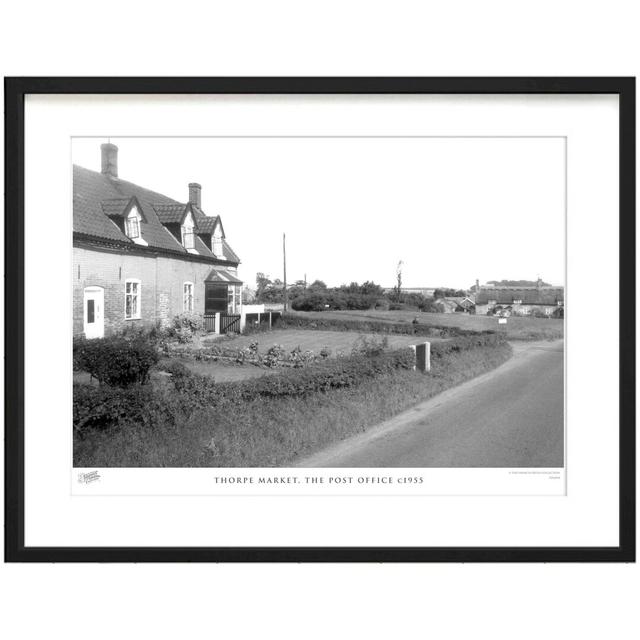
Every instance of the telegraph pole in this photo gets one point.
(284, 269)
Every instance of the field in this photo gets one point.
(516, 328)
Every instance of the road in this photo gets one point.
(510, 417)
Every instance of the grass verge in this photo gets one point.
(274, 431)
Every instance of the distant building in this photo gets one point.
(520, 301)
(457, 304)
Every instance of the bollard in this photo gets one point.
(423, 357)
(415, 355)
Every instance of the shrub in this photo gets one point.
(274, 355)
(109, 408)
(115, 361)
(370, 345)
(184, 335)
(188, 320)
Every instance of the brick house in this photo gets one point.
(520, 301)
(140, 258)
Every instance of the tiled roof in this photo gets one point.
(228, 252)
(97, 196)
(220, 275)
(168, 213)
(528, 295)
(206, 224)
(115, 206)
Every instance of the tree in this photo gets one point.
(262, 282)
(399, 281)
(318, 285)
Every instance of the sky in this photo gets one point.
(451, 209)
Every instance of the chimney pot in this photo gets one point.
(195, 192)
(109, 159)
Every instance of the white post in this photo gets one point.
(415, 356)
(216, 323)
(423, 356)
(269, 319)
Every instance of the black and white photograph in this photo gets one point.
(319, 301)
(315, 320)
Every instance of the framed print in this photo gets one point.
(320, 319)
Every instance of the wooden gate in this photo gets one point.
(229, 323)
(209, 322)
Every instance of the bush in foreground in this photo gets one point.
(115, 361)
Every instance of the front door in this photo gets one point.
(215, 298)
(94, 312)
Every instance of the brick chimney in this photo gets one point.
(477, 285)
(109, 159)
(195, 191)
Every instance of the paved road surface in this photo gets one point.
(510, 417)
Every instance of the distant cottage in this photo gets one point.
(524, 301)
(140, 258)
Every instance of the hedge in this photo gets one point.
(104, 407)
(326, 375)
(377, 326)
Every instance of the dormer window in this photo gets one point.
(188, 234)
(187, 238)
(132, 226)
(216, 244)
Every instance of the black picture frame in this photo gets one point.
(15, 91)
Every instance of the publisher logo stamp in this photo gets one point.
(87, 478)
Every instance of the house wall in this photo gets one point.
(161, 277)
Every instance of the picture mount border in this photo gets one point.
(15, 91)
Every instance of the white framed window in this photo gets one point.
(188, 239)
(517, 302)
(216, 243)
(133, 226)
(132, 295)
(187, 296)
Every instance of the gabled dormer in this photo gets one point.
(188, 229)
(127, 215)
(211, 233)
(180, 221)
